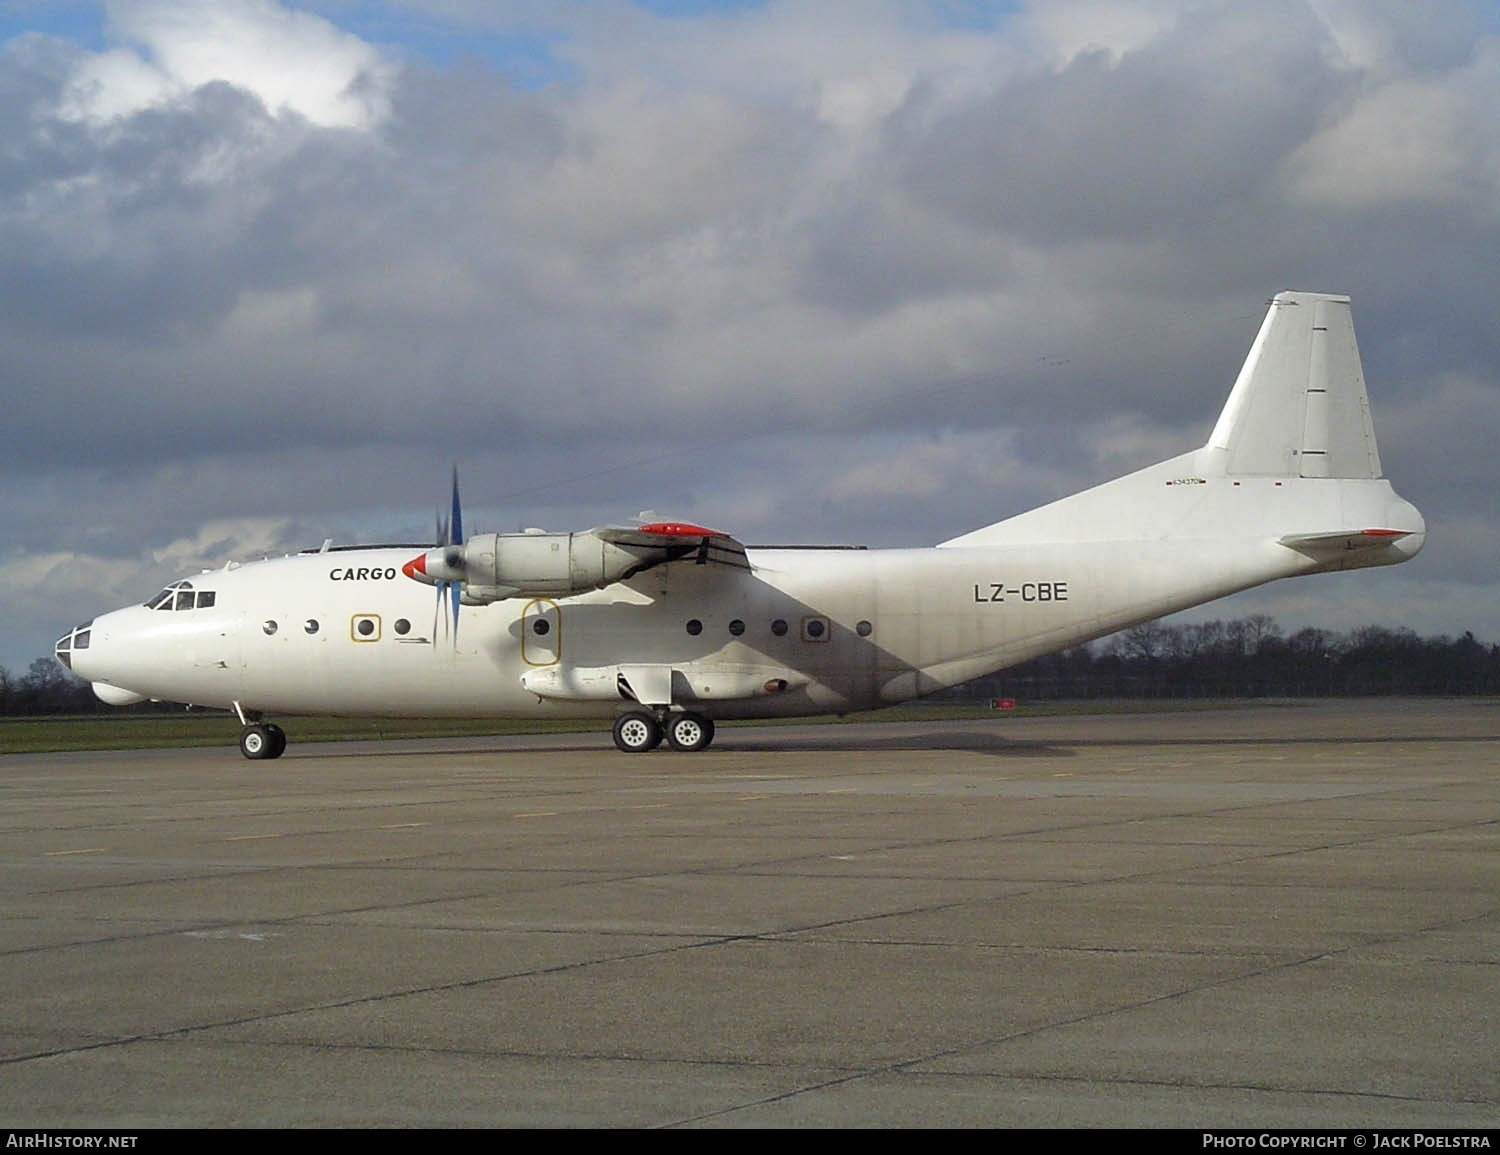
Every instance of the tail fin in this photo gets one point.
(1297, 423)
(1298, 407)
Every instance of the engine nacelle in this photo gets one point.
(507, 565)
(491, 566)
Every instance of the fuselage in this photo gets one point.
(803, 631)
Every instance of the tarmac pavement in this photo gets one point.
(1284, 915)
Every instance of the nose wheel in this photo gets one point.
(262, 740)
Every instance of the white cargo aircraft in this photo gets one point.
(666, 627)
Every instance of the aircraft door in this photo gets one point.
(213, 647)
(541, 632)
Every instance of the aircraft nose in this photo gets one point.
(71, 642)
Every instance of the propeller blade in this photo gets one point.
(456, 527)
(442, 567)
(456, 518)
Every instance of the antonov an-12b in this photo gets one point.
(666, 627)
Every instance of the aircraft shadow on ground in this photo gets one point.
(966, 741)
(735, 740)
(772, 740)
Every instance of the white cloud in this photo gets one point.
(224, 540)
(1411, 136)
(1066, 28)
(804, 270)
(50, 590)
(114, 83)
(263, 316)
(1123, 443)
(848, 63)
(925, 469)
(1401, 143)
(293, 61)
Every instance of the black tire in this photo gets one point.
(637, 732)
(689, 732)
(278, 740)
(257, 742)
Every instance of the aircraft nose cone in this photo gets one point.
(71, 642)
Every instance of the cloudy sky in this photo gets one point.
(809, 270)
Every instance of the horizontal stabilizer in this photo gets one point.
(1318, 543)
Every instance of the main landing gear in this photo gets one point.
(639, 731)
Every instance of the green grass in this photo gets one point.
(208, 728)
(140, 731)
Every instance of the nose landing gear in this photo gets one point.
(259, 740)
(262, 740)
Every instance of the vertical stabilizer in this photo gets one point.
(1298, 407)
(1298, 418)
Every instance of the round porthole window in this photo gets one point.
(269, 627)
(311, 625)
(694, 627)
(736, 627)
(864, 629)
(778, 627)
(541, 627)
(402, 627)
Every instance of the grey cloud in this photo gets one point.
(649, 287)
(1166, 140)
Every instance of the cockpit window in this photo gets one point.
(71, 642)
(181, 596)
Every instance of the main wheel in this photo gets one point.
(689, 732)
(278, 740)
(637, 732)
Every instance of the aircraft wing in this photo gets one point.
(664, 541)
